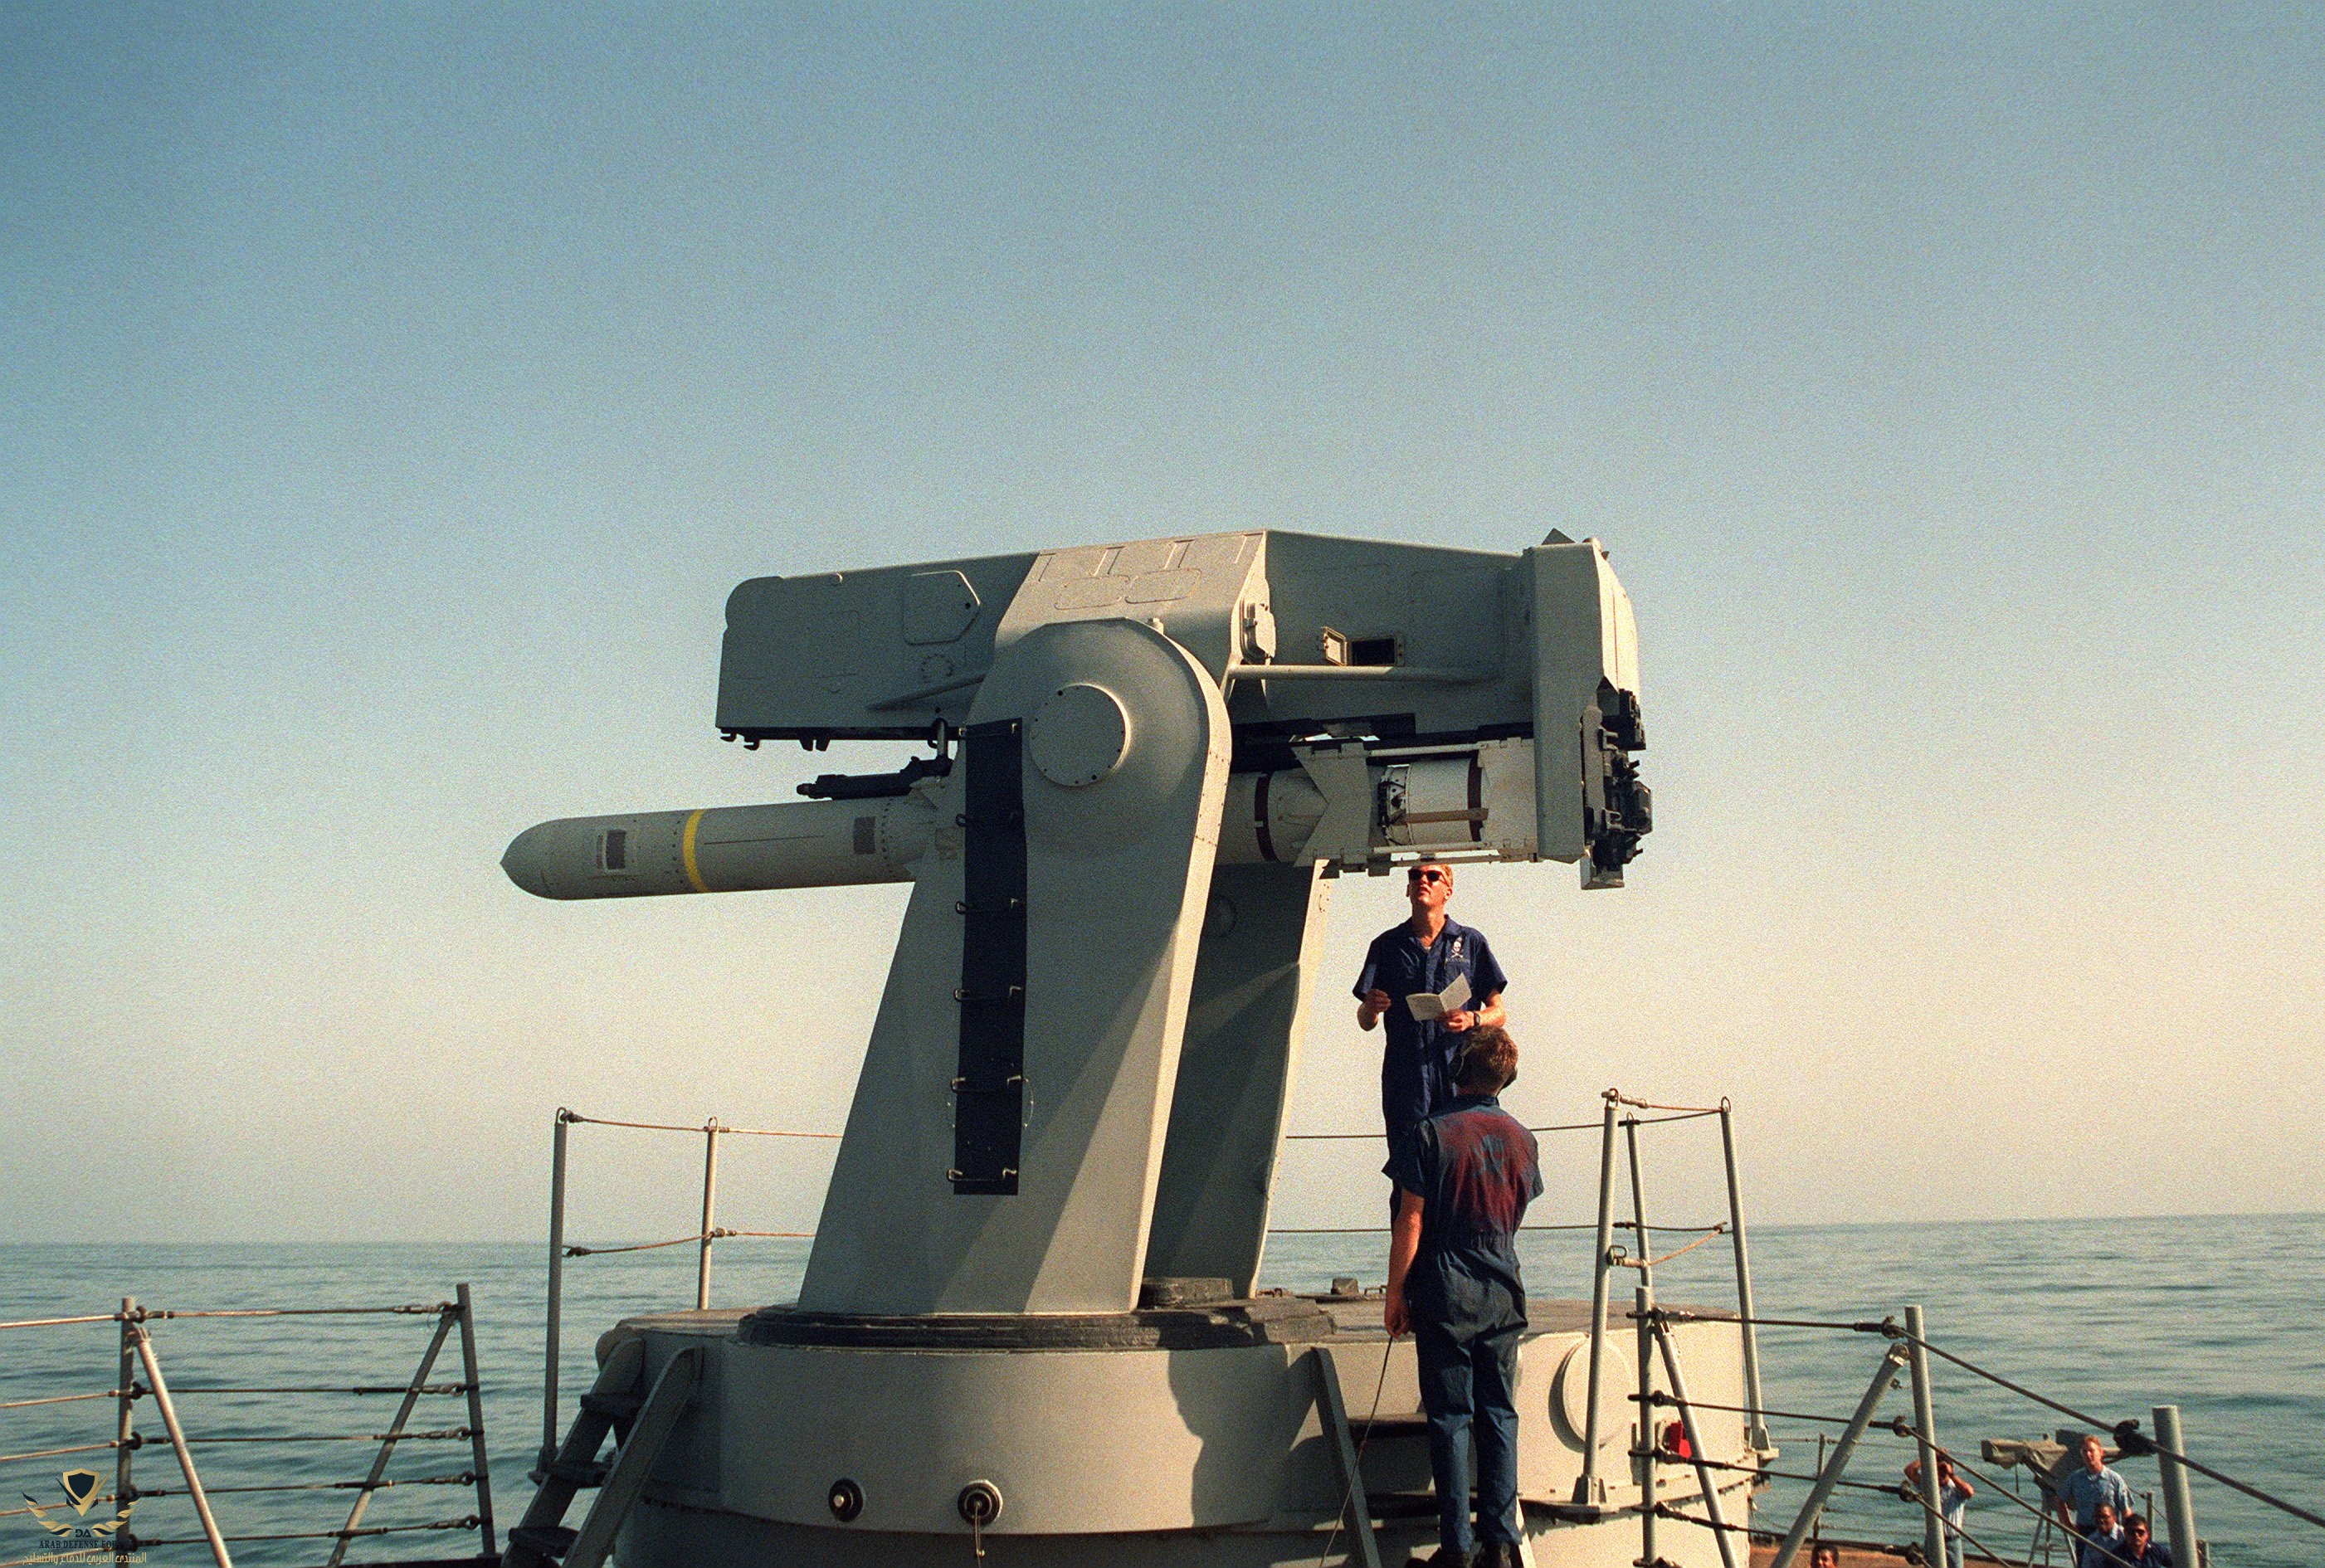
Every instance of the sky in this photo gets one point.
(390, 396)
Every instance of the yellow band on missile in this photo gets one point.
(686, 851)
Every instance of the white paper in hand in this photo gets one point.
(1428, 1006)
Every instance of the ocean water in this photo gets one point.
(2220, 1316)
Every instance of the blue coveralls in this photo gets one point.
(1417, 1063)
(1475, 1169)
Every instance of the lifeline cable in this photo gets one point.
(2121, 1431)
(1349, 1492)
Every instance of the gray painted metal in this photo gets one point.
(1934, 1527)
(1757, 1432)
(1246, 1018)
(1160, 1031)
(126, 1400)
(1697, 1448)
(673, 1387)
(1643, 1430)
(1188, 1457)
(479, 1462)
(1358, 1505)
(1117, 877)
(2178, 1507)
(1475, 641)
(1828, 1473)
(1639, 1233)
(1590, 1489)
(445, 1322)
(168, 1409)
(555, 1317)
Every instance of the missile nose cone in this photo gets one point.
(525, 862)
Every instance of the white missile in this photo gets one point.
(1468, 803)
(730, 849)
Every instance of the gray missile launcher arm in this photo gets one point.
(1159, 753)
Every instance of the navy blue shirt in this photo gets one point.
(1417, 1064)
(1475, 1168)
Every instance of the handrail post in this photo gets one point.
(710, 1130)
(125, 1425)
(1588, 1489)
(2178, 1507)
(1639, 1203)
(468, 1375)
(1695, 1447)
(556, 1293)
(1756, 1429)
(178, 1442)
(393, 1435)
(1643, 1447)
(1934, 1519)
(1884, 1378)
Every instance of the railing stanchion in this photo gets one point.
(1829, 1474)
(124, 1426)
(556, 1294)
(1639, 1203)
(1756, 1432)
(1687, 1423)
(477, 1460)
(178, 1442)
(393, 1435)
(710, 1204)
(1933, 1518)
(1642, 1440)
(1589, 1489)
(2179, 1508)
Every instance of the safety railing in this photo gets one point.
(140, 1377)
(703, 1240)
(1910, 1355)
(1618, 1112)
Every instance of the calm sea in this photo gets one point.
(2220, 1316)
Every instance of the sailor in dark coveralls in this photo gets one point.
(1463, 1180)
(1425, 953)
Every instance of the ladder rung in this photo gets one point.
(618, 1406)
(580, 1472)
(549, 1540)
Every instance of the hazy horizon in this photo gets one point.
(389, 399)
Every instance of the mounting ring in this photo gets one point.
(847, 1500)
(979, 1504)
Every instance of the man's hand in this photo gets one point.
(1461, 1023)
(1393, 1314)
(1369, 1010)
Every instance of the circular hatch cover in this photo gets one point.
(1079, 734)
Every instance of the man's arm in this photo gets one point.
(1376, 1002)
(1403, 1246)
(1485, 1014)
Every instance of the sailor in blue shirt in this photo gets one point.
(1426, 952)
(2140, 1548)
(2082, 1491)
(1464, 1177)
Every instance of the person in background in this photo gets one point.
(2082, 1491)
(2140, 1548)
(2102, 1545)
(1824, 1555)
(1953, 1500)
(1464, 1177)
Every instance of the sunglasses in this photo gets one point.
(1426, 874)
